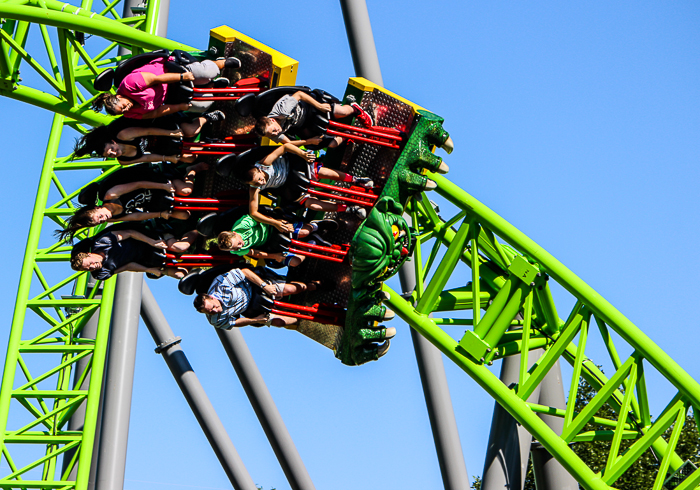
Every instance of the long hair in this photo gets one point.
(94, 141)
(106, 100)
(81, 219)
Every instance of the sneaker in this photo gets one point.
(383, 348)
(358, 211)
(326, 226)
(362, 115)
(365, 182)
(221, 82)
(318, 240)
(214, 116)
(232, 62)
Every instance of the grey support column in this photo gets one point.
(168, 345)
(119, 381)
(508, 449)
(428, 357)
(361, 40)
(266, 410)
(549, 473)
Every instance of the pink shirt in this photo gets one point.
(146, 98)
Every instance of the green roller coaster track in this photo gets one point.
(508, 307)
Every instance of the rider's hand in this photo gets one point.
(325, 107)
(188, 76)
(168, 187)
(271, 290)
(159, 244)
(284, 227)
(309, 156)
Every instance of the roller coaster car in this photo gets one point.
(114, 77)
(315, 123)
(213, 224)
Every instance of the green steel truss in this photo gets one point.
(510, 279)
(37, 397)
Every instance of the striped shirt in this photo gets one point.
(233, 291)
(276, 173)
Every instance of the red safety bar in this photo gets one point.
(232, 93)
(362, 139)
(191, 203)
(379, 131)
(364, 193)
(215, 148)
(328, 314)
(315, 193)
(335, 254)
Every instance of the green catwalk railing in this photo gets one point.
(507, 308)
(39, 388)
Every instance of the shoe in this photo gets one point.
(382, 349)
(358, 211)
(362, 115)
(365, 182)
(232, 62)
(214, 116)
(319, 241)
(221, 82)
(325, 226)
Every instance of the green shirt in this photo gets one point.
(252, 232)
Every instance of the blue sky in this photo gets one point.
(577, 122)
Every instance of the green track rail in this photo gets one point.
(507, 307)
(38, 394)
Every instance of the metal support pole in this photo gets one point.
(126, 12)
(119, 381)
(428, 358)
(265, 408)
(168, 345)
(361, 40)
(77, 421)
(549, 473)
(505, 466)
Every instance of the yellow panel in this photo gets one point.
(366, 86)
(283, 66)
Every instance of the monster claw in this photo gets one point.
(448, 145)
(443, 168)
(389, 315)
(430, 185)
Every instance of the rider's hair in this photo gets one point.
(260, 125)
(94, 141)
(76, 261)
(106, 100)
(199, 302)
(225, 240)
(81, 219)
(243, 171)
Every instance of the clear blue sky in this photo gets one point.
(577, 122)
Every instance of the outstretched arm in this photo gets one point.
(142, 216)
(287, 148)
(304, 97)
(166, 109)
(254, 196)
(129, 134)
(152, 79)
(121, 189)
(253, 278)
(137, 235)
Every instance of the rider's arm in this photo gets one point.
(121, 189)
(152, 79)
(258, 216)
(165, 110)
(304, 97)
(129, 134)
